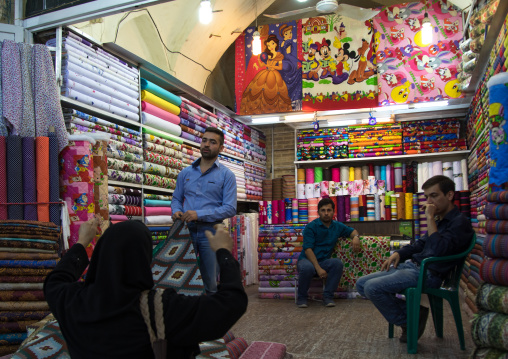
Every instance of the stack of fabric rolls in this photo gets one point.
(288, 186)
(433, 136)
(124, 204)
(189, 154)
(159, 234)
(277, 189)
(255, 145)
(124, 147)
(162, 159)
(470, 280)
(254, 176)
(230, 126)
(160, 108)
(238, 169)
(374, 140)
(96, 78)
(267, 189)
(29, 253)
(323, 144)
(493, 294)
(157, 209)
(198, 119)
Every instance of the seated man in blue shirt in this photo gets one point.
(204, 196)
(319, 239)
(448, 233)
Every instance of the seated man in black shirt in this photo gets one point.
(448, 233)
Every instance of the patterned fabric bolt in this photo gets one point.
(14, 176)
(3, 127)
(27, 127)
(54, 189)
(29, 194)
(12, 99)
(48, 110)
(3, 176)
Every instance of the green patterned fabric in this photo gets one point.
(490, 330)
(489, 353)
(492, 298)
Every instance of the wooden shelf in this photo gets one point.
(433, 156)
(125, 184)
(492, 34)
(248, 200)
(154, 188)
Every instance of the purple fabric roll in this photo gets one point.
(190, 137)
(347, 207)
(14, 176)
(389, 178)
(29, 191)
(275, 212)
(341, 209)
(54, 177)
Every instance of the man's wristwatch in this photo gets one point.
(356, 235)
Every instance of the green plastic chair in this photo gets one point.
(449, 291)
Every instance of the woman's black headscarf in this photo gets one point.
(102, 314)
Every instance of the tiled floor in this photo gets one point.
(352, 329)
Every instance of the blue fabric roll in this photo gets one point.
(383, 173)
(159, 91)
(156, 203)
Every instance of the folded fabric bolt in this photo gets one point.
(158, 211)
(156, 203)
(158, 220)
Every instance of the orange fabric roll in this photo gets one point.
(42, 170)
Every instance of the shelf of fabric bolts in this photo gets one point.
(436, 155)
(125, 184)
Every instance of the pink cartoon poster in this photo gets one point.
(409, 69)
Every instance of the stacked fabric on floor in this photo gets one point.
(254, 176)
(277, 188)
(189, 154)
(267, 189)
(255, 145)
(157, 209)
(374, 140)
(198, 119)
(238, 169)
(288, 186)
(124, 204)
(163, 159)
(430, 136)
(124, 148)
(96, 78)
(160, 108)
(470, 279)
(28, 252)
(488, 326)
(231, 126)
(323, 144)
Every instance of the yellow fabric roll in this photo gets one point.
(351, 173)
(300, 175)
(401, 207)
(160, 103)
(358, 173)
(409, 206)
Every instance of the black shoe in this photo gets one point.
(422, 323)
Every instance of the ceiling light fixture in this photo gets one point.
(430, 104)
(256, 36)
(265, 120)
(205, 12)
(427, 29)
(299, 118)
(343, 123)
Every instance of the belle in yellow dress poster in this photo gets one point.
(267, 92)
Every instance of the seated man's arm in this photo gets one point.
(309, 253)
(309, 240)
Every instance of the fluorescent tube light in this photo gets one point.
(391, 108)
(205, 12)
(430, 104)
(343, 123)
(265, 120)
(297, 118)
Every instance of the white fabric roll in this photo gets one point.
(463, 167)
(309, 190)
(448, 169)
(158, 220)
(421, 166)
(160, 124)
(300, 187)
(317, 190)
(430, 170)
(332, 190)
(457, 175)
(437, 168)
(344, 173)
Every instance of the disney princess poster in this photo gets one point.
(269, 82)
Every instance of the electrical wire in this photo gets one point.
(160, 37)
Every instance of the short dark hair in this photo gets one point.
(445, 183)
(216, 131)
(324, 202)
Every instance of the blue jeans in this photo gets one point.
(306, 271)
(207, 259)
(380, 288)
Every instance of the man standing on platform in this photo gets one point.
(319, 239)
(448, 233)
(204, 196)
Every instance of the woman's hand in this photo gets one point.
(88, 231)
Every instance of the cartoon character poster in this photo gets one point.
(337, 69)
(272, 81)
(410, 70)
